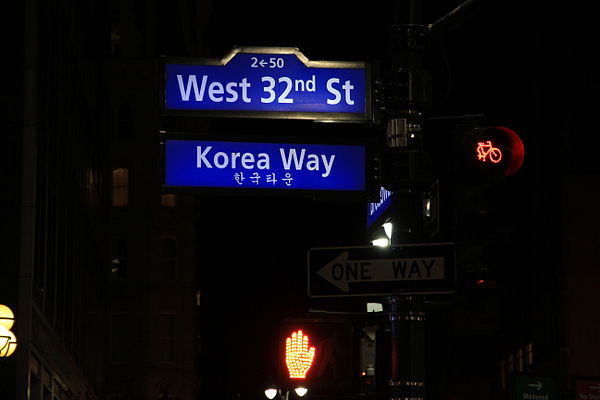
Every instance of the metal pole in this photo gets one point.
(394, 364)
(457, 16)
(407, 362)
(407, 98)
(407, 12)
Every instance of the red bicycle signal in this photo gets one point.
(492, 151)
(485, 149)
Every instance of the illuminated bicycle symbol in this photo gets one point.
(485, 149)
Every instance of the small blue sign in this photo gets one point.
(269, 83)
(376, 210)
(250, 165)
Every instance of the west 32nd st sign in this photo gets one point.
(268, 82)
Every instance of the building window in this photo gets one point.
(115, 42)
(46, 384)
(167, 332)
(119, 261)
(120, 187)
(167, 200)
(502, 373)
(510, 364)
(519, 360)
(529, 354)
(125, 121)
(92, 187)
(168, 258)
(35, 384)
(118, 338)
(57, 390)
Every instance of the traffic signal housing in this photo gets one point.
(489, 213)
(486, 157)
(482, 176)
(490, 152)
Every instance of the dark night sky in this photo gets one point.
(256, 277)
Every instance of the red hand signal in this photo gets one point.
(298, 357)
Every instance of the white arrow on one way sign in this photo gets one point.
(341, 271)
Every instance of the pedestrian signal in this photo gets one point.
(318, 354)
(298, 356)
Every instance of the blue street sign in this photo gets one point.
(376, 210)
(264, 166)
(263, 82)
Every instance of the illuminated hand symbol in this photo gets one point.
(298, 357)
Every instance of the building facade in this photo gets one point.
(56, 279)
(100, 269)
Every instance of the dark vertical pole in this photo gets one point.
(415, 16)
(407, 83)
(407, 97)
(407, 100)
(407, 363)
(405, 167)
(394, 362)
(407, 12)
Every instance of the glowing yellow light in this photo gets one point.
(7, 318)
(8, 342)
(298, 356)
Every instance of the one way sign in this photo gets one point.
(375, 271)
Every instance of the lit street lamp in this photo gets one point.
(272, 392)
(383, 236)
(8, 340)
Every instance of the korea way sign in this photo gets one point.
(268, 82)
(375, 271)
(259, 166)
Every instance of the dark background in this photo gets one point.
(528, 65)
